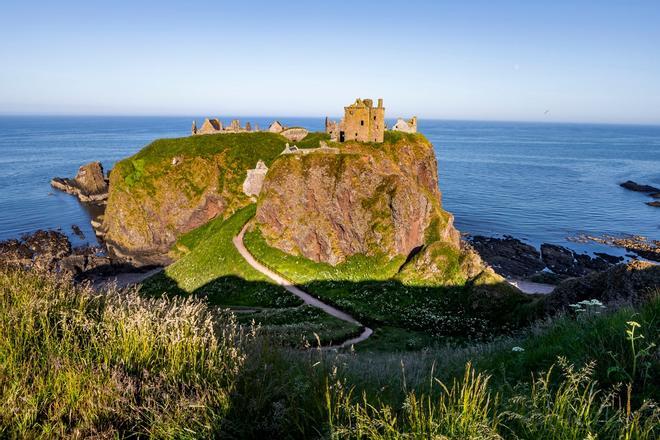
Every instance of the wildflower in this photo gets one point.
(518, 349)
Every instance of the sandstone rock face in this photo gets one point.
(141, 223)
(90, 184)
(365, 200)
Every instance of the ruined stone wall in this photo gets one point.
(295, 134)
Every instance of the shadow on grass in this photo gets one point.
(410, 312)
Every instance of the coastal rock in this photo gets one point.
(649, 249)
(654, 203)
(327, 207)
(633, 186)
(41, 249)
(611, 259)
(564, 261)
(508, 256)
(558, 259)
(633, 282)
(89, 185)
(655, 195)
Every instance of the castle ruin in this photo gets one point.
(362, 122)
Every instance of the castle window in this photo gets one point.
(374, 118)
(361, 122)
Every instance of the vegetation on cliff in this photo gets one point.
(175, 185)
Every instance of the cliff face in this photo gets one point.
(370, 199)
(175, 185)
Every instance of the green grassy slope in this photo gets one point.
(368, 288)
(212, 267)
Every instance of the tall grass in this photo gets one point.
(76, 363)
(574, 407)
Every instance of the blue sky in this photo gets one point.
(595, 61)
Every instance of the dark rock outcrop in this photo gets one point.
(633, 186)
(564, 261)
(509, 256)
(89, 185)
(654, 203)
(52, 251)
(633, 282)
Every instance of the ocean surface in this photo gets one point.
(535, 181)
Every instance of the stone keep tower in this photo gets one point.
(363, 122)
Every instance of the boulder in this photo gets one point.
(633, 186)
(90, 184)
(654, 203)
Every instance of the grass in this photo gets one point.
(212, 267)
(368, 288)
(75, 363)
(479, 390)
(301, 327)
(302, 270)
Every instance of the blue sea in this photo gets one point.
(539, 182)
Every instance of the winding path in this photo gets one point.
(306, 297)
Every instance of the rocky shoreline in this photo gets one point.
(51, 250)
(513, 258)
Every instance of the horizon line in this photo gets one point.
(156, 115)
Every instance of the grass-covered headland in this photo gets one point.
(78, 363)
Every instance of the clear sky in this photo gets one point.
(554, 60)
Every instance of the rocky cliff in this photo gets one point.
(369, 199)
(175, 185)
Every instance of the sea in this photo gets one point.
(539, 182)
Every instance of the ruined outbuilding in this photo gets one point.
(215, 126)
(276, 127)
(406, 126)
(255, 179)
